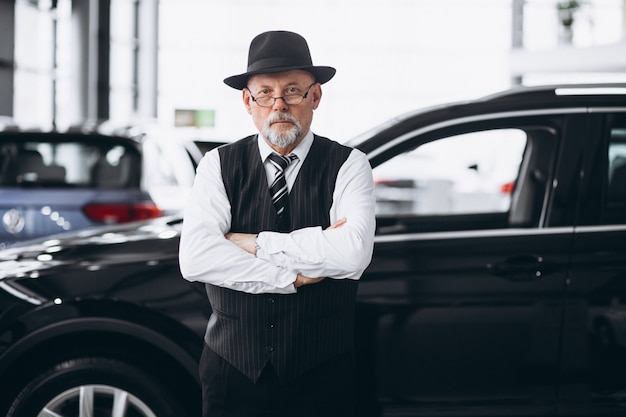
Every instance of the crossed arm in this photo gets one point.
(247, 242)
(209, 253)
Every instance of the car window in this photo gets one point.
(467, 173)
(68, 164)
(158, 169)
(206, 146)
(616, 172)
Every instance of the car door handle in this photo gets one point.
(521, 268)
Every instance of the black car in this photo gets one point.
(497, 286)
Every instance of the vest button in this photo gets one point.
(271, 300)
(269, 348)
(271, 325)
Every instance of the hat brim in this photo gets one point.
(321, 74)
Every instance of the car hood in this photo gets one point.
(93, 249)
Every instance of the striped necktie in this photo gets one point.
(278, 189)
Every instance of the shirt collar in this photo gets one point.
(300, 151)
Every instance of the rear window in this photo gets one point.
(38, 163)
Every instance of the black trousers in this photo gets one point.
(326, 391)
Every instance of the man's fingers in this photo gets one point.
(338, 224)
(245, 241)
(302, 280)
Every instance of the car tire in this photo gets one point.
(104, 383)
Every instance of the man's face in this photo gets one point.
(282, 124)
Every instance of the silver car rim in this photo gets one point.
(84, 399)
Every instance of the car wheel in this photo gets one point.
(94, 387)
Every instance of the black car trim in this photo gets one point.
(498, 233)
(477, 118)
(607, 109)
(602, 228)
(16, 290)
(474, 234)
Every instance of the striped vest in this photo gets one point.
(293, 332)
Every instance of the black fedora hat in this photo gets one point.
(279, 51)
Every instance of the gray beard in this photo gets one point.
(282, 139)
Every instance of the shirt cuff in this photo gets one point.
(282, 249)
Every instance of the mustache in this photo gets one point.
(282, 138)
(281, 117)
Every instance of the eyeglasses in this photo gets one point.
(290, 99)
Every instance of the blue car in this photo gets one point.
(53, 182)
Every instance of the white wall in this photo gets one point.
(391, 56)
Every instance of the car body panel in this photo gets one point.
(97, 284)
(594, 361)
(51, 211)
(468, 321)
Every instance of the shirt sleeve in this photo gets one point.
(205, 255)
(339, 253)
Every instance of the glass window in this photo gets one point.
(39, 65)
(68, 164)
(34, 58)
(158, 170)
(616, 172)
(469, 173)
(124, 59)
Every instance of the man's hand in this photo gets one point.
(245, 241)
(337, 224)
(302, 280)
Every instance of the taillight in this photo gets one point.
(121, 213)
(507, 188)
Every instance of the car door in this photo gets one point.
(593, 378)
(460, 309)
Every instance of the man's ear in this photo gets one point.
(247, 100)
(316, 95)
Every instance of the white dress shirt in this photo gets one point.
(342, 253)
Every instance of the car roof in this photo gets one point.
(53, 136)
(515, 99)
(83, 134)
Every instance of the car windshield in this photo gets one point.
(66, 164)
